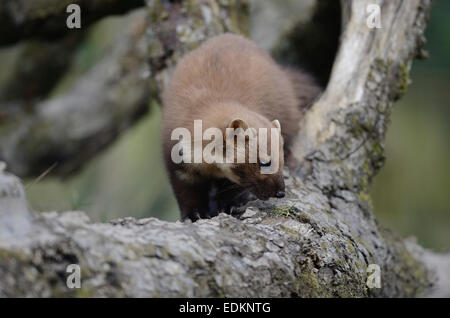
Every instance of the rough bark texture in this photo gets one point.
(318, 241)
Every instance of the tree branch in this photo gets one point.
(72, 127)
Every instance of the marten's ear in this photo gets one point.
(239, 126)
(238, 123)
(276, 123)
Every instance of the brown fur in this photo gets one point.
(227, 78)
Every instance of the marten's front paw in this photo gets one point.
(193, 216)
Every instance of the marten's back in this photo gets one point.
(231, 68)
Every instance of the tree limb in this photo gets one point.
(319, 241)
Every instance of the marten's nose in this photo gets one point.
(280, 194)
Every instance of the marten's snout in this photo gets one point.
(280, 194)
(270, 187)
(279, 191)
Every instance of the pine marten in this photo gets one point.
(229, 82)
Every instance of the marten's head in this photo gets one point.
(262, 170)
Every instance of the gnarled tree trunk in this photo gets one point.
(318, 241)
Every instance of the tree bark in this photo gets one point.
(318, 241)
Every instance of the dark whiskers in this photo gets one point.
(237, 196)
(229, 188)
(244, 187)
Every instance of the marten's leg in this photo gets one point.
(193, 198)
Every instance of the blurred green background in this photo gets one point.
(410, 195)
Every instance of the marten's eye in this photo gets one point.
(264, 163)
